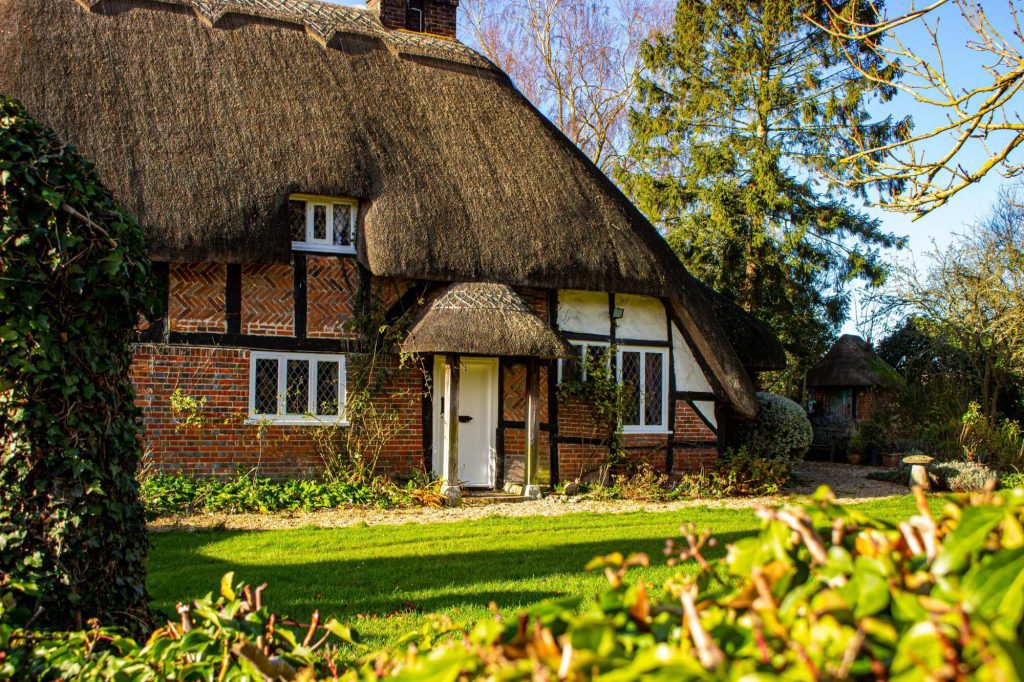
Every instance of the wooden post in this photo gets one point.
(450, 454)
(532, 489)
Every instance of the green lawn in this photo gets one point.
(386, 579)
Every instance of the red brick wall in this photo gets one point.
(330, 296)
(268, 303)
(225, 442)
(196, 299)
(439, 18)
(696, 445)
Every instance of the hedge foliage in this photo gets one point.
(781, 431)
(174, 495)
(822, 592)
(74, 280)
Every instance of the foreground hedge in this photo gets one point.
(821, 592)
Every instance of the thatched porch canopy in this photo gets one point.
(484, 319)
(203, 116)
(852, 363)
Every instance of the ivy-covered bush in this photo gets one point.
(74, 280)
(781, 431)
(821, 592)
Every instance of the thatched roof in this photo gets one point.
(483, 319)
(204, 115)
(851, 362)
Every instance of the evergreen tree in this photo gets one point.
(742, 110)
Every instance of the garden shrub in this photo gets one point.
(1013, 479)
(75, 279)
(738, 474)
(781, 431)
(177, 495)
(821, 592)
(996, 442)
(960, 476)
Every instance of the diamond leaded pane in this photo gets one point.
(654, 367)
(327, 388)
(630, 378)
(297, 220)
(342, 225)
(319, 222)
(297, 387)
(265, 401)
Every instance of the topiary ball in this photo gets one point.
(781, 431)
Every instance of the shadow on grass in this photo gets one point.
(182, 568)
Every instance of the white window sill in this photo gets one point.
(322, 248)
(294, 421)
(646, 432)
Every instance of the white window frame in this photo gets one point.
(665, 369)
(310, 418)
(327, 244)
(584, 347)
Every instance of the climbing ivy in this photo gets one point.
(596, 384)
(74, 281)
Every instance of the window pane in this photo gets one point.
(654, 367)
(342, 225)
(297, 220)
(297, 387)
(265, 401)
(319, 222)
(327, 388)
(630, 373)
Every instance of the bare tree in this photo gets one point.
(576, 60)
(972, 295)
(921, 171)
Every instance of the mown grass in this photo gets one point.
(386, 580)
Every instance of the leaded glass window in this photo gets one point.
(296, 388)
(322, 224)
(643, 376)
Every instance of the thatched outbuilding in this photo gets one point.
(242, 133)
(849, 384)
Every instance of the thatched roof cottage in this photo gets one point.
(296, 164)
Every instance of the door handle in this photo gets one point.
(464, 419)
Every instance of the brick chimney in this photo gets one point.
(438, 17)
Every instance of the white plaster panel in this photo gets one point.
(689, 375)
(707, 410)
(643, 317)
(583, 312)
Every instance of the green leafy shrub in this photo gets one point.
(176, 495)
(75, 279)
(1013, 479)
(781, 432)
(821, 592)
(993, 441)
(170, 494)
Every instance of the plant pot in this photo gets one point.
(873, 455)
(892, 459)
(855, 457)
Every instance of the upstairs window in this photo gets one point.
(323, 224)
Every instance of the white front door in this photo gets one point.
(478, 404)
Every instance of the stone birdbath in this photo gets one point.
(919, 470)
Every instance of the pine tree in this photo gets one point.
(743, 107)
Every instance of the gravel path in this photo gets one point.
(848, 482)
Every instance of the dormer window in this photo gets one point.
(324, 224)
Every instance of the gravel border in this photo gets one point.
(847, 481)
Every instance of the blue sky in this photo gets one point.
(963, 68)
